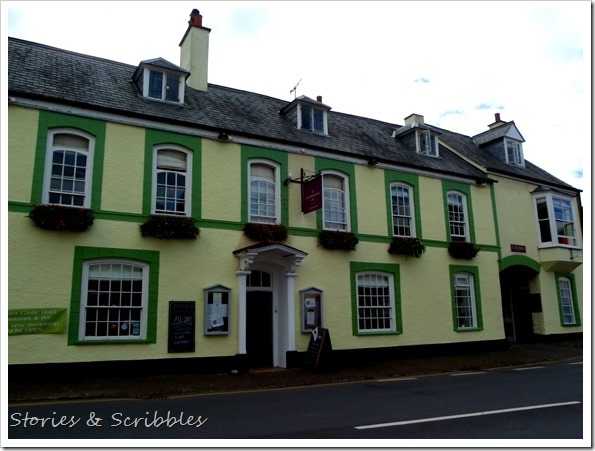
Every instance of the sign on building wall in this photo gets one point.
(181, 326)
(518, 248)
(28, 321)
(312, 195)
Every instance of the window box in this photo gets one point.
(166, 227)
(406, 246)
(346, 241)
(463, 249)
(57, 217)
(265, 232)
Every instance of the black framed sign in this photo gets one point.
(217, 309)
(181, 330)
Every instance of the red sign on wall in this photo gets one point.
(312, 195)
(518, 248)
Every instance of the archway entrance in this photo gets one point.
(518, 303)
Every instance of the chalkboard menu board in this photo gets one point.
(181, 326)
(319, 349)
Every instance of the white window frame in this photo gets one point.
(147, 76)
(463, 204)
(556, 240)
(276, 174)
(411, 216)
(142, 335)
(347, 213)
(426, 143)
(470, 300)
(49, 155)
(359, 297)
(517, 152)
(566, 301)
(188, 174)
(324, 130)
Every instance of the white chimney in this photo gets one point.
(194, 52)
(414, 119)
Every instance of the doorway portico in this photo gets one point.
(280, 263)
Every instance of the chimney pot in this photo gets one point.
(319, 99)
(195, 18)
(497, 116)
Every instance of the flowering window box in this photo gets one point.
(58, 217)
(166, 227)
(463, 249)
(346, 241)
(406, 246)
(265, 232)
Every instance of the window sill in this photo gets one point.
(469, 329)
(375, 333)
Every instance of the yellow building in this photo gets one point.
(156, 218)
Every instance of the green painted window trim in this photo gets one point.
(281, 159)
(82, 254)
(495, 215)
(465, 189)
(412, 180)
(49, 120)
(577, 315)
(191, 143)
(348, 169)
(474, 271)
(390, 268)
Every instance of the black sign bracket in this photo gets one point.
(303, 178)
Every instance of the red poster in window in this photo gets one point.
(312, 195)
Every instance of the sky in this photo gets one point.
(455, 63)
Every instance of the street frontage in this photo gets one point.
(528, 402)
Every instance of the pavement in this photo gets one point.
(163, 386)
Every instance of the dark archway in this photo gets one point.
(518, 303)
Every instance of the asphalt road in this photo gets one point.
(533, 402)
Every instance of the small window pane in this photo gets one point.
(155, 85)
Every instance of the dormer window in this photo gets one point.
(164, 86)
(312, 119)
(161, 80)
(514, 152)
(426, 143)
(308, 114)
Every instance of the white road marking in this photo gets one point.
(468, 373)
(528, 368)
(576, 363)
(466, 415)
(397, 379)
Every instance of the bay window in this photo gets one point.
(556, 220)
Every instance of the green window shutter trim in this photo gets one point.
(447, 186)
(81, 254)
(474, 271)
(193, 144)
(412, 180)
(394, 270)
(323, 164)
(49, 120)
(280, 158)
(577, 315)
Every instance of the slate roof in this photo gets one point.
(42, 72)
(467, 147)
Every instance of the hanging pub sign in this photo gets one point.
(181, 326)
(312, 194)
